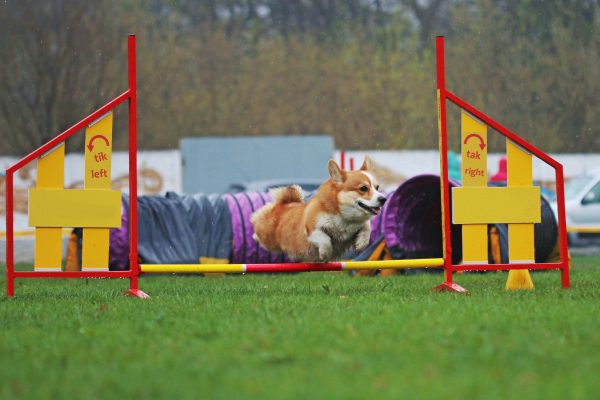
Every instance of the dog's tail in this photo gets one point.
(288, 194)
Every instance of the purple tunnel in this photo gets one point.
(412, 224)
(244, 250)
(412, 220)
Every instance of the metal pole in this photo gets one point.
(10, 263)
(134, 267)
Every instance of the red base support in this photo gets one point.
(450, 287)
(136, 293)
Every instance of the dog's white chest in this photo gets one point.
(338, 228)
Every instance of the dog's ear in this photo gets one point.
(335, 172)
(366, 166)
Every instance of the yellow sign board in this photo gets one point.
(496, 205)
(98, 155)
(74, 208)
(474, 175)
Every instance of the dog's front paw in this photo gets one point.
(362, 239)
(325, 253)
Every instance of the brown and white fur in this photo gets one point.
(335, 220)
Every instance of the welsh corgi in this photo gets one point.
(334, 220)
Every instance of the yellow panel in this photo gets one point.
(75, 208)
(521, 244)
(98, 138)
(476, 205)
(475, 244)
(519, 168)
(474, 157)
(98, 155)
(51, 168)
(94, 254)
(48, 241)
(521, 247)
(474, 174)
(48, 249)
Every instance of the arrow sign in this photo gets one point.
(481, 145)
(90, 145)
(474, 175)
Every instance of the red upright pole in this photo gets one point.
(444, 184)
(10, 261)
(134, 267)
(562, 227)
(443, 145)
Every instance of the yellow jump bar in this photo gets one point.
(394, 264)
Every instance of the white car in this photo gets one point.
(582, 205)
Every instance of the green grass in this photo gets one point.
(304, 336)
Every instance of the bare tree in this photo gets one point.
(429, 17)
(56, 61)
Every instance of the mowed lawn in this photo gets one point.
(303, 336)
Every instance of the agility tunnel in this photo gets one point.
(411, 225)
(197, 228)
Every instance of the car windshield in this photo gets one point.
(575, 185)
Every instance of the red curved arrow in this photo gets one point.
(481, 145)
(90, 146)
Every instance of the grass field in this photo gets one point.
(305, 336)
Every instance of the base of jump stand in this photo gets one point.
(450, 287)
(136, 293)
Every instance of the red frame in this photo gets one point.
(133, 273)
(443, 95)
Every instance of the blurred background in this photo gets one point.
(339, 75)
(361, 71)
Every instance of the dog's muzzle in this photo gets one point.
(369, 209)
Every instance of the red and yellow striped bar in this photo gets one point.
(291, 267)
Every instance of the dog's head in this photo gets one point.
(358, 192)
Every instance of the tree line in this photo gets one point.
(362, 71)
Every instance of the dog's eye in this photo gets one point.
(364, 189)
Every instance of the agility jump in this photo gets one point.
(52, 207)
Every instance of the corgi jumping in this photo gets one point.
(334, 220)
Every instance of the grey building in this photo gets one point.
(214, 164)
